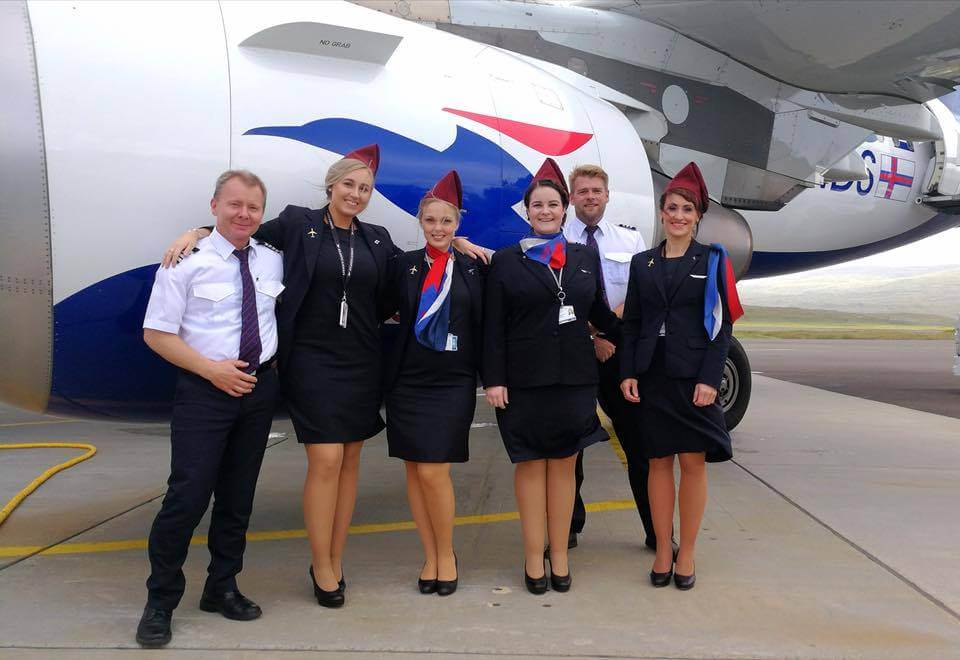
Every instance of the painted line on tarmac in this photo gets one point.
(285, 534)
(40, 423)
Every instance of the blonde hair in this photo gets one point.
(457, 213)
(590, 172)
(339, 171)
(246, 176)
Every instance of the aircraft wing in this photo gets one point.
(770, 98)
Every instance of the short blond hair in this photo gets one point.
(590, 172)
(246, 176)
(339, 171)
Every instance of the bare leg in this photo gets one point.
(561, 491)
(346, 499)
(693, 500)
(530, 485)
(441, 506)
(319, 507)
(420, 516)
(660, 487)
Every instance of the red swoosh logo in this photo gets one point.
(549, 141)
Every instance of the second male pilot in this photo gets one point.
(589, 194)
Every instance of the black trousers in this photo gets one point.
(217, 443)
(626, 423)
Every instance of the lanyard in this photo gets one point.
(346, 269)
(559, 280)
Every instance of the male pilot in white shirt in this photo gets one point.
(616, 244)
(214, 317)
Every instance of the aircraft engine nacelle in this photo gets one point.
(719, 225)
(118, 117)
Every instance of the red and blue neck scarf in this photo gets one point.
(720, 274)
(548, 249)
(433, 312)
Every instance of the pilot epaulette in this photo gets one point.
(269, 247)
(628, 227)
(182, 256)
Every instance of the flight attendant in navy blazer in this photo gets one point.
(540, 372)
(431, 376)
(672, 364)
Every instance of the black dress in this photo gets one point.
(333, 373)
(669, 293)
(431, 404)
(549, 368)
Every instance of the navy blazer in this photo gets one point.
(297, 232)
(689, 352)
(524, 344)
(406, 291)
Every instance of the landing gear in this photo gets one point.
(735, 386)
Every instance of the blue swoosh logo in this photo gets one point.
(493, 180)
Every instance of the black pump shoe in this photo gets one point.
(426, 586)
(661, 579)
(536, 586)
(447, 587)
(326, 598)
(685, 582)
(559, 583)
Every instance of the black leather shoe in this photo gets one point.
(535, 585)
(685, 582)
(326, 598)
(661, 579)
(342, 582)
(426, 586)
(153, 631)
(231, 604)
(447, 587)
(572, 540)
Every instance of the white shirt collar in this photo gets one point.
(222, 246)
(580, 228)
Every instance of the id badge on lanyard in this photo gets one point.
(567, 313)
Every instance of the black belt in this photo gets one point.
(267, 366)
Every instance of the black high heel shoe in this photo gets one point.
(326, 598)
(535, 586)
(559, 583)
(685, 582)
(661, 579)
(426, 586)
(447, 587)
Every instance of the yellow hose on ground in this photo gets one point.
(33, 485)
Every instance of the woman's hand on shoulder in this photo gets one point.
(497, 396)
(704, 395)
(463, 246)
(183, 246)
(628, 386)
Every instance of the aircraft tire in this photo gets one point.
(736, 385)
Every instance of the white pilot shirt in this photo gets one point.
(617, 247)
(201, 298)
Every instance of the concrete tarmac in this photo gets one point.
(915, 374)
(832, 534)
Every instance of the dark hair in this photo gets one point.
(545, 183)
(686, 194)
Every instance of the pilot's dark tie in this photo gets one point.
(249, 322)
(592, 242)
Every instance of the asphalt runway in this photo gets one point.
(916, 374)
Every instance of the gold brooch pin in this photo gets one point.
(312, 233)
(650, 264)
(413, 270)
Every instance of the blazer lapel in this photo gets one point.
(414, 277)
(539, 271)
(377, 249)
(655, 263)
(312, 234)
(690, 259)
(468, 274)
